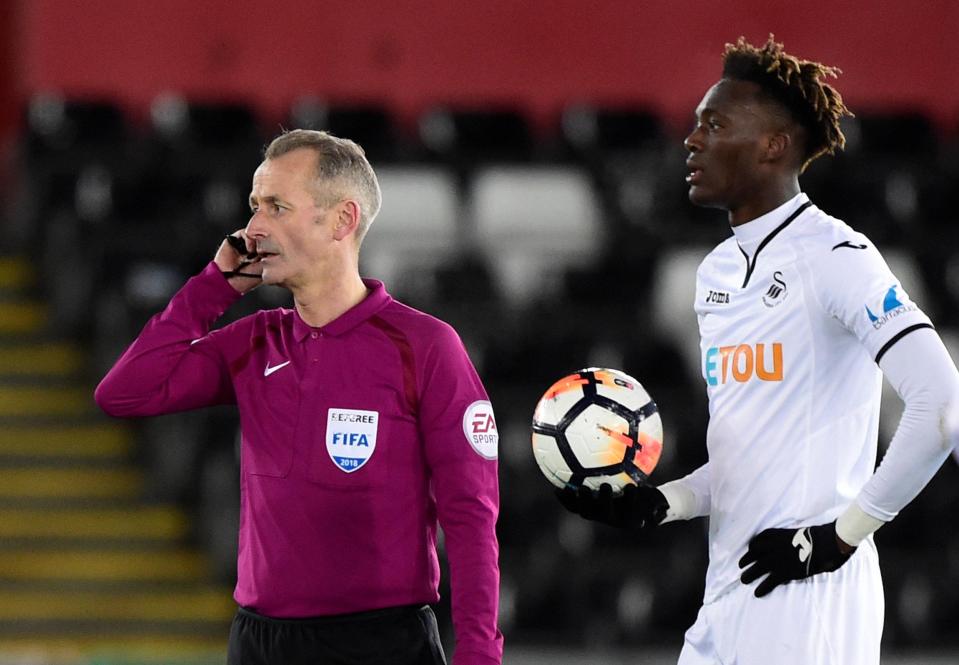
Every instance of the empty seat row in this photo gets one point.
(528, 223)
(512, 233)
(54, 124)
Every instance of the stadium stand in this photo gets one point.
(88, 558)
(418, 229)
(548, 253)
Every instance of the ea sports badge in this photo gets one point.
(351, 437)
(480, 429)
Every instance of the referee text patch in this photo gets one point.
(351, 437)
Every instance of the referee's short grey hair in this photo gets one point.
(341, 170)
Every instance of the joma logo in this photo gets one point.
(718, 297)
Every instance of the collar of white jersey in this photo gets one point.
(750, 234)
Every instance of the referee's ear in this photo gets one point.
(347, 219)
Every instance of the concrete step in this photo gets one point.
(31, 401)
(37, 482)
(58, 359)
(22, 317)
(87, 565)
(17, 273)
(152, 646)
(83, 441)
(124, 524)
(205, 603)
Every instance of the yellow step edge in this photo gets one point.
(22, 317)
(154, 522)
(99, 565)
(31, 401)
(147, 649)
(206, 604)
(83, 441)
(41, 482)
(16, 272)
(57, 359)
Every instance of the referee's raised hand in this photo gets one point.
(237, 260)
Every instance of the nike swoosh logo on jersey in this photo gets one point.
(846, 243)
(269, 370)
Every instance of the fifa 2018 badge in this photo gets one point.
(351, 437)
(891, 307)
(776, 294)
(479, 425)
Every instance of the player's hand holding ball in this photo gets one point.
(791, 554)
(636, 507)
(597, 436)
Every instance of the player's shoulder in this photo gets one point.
(842, 262)
(720, 256)
(830, 244)
(722, 252)
(821, 234)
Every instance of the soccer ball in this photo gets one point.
(597, 426)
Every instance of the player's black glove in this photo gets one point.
(637, 507)
(791, 554)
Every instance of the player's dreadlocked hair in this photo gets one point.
(797, 85)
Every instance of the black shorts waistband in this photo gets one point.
(370, 615)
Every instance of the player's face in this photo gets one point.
(292, 234)
(725, 146)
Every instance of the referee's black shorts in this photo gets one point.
(393, 636)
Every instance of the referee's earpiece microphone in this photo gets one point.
(239, 246)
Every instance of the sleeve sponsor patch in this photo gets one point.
(479, 425)
(894, 303)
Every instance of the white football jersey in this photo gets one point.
(794, 311)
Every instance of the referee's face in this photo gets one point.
(725, 147)
(291, 233)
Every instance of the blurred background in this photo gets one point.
(531, 161)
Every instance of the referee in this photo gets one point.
(364, 425)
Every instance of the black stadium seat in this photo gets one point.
(56, 126)
(369, 125)
(591, 130)
(462, 136)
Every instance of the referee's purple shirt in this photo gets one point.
(323, 530)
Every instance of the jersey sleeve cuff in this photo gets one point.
(855, 525)
(681, 500)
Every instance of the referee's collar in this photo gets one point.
(374, 301)
(750, 234)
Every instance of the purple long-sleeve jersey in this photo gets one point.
(356, 437)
